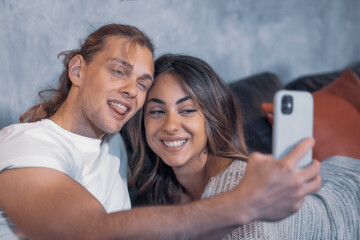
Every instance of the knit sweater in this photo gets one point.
(331, 213)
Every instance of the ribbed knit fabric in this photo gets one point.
(331, 213)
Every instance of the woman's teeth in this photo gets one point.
(174, 143)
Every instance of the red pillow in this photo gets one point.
(336, 117)
(268, 109)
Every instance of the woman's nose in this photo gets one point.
(172, 123)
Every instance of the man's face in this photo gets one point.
(113, 86)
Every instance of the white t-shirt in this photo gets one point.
(98, 165)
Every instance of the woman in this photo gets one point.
(195, 149)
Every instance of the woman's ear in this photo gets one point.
(75, 66)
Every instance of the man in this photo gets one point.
(63, 175)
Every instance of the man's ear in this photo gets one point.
(75, 66)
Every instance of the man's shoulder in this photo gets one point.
(31, 138)
(25, 131)
(36, 144)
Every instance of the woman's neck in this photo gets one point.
(194, 178)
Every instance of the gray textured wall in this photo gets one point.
(237, 37)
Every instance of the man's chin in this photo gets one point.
(115, 128)
(113, 131)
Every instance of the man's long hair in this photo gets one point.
(52, 99)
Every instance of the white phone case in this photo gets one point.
(291, 127)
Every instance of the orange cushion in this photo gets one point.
(268, 109)
(336, 117)
(347, 87)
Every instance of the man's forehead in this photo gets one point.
(117, 45)
(123, 48)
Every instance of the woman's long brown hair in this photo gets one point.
(155, 181)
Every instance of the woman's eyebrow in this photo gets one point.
(157, 100)
(183, 100)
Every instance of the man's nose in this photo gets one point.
(129, 88)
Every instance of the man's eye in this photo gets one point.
(117, 73)
(144, 85)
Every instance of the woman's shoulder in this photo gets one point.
(226, 179)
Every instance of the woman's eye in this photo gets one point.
(156, 112)
(189, 111)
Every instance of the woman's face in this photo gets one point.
(175, 127)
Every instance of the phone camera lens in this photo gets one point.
(287, 104)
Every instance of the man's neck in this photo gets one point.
(66, 117)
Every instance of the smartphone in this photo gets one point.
(293, 122)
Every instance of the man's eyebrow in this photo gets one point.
(123, 62)
(130, 67)
(157, 100)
